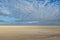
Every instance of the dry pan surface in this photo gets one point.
(29, 32)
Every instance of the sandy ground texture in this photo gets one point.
(29, 33)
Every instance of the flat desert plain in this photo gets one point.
(29, 32)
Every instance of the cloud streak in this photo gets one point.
(36, 10)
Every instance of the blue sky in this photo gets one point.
(31, 11)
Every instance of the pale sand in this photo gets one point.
(29, 32)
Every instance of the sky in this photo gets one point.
(35, 12)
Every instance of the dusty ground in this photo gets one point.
(30, 33)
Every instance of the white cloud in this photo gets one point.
(32, 22)
(4, 10)
(37, 10)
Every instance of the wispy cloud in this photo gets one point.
(47, 10)
(31, 9)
